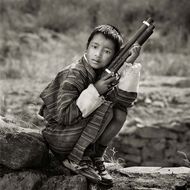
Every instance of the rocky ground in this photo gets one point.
(160, 99)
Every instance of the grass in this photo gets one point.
(184, 158)
(110, 157)
(167, 64)
(40, 56)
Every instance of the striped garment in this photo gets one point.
(67, 133)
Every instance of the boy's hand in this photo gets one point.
(130, 77)
(105, 83)
(134, 51)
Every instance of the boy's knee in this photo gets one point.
(119, 116)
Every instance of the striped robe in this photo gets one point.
(67, 133)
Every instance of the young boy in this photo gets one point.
(80, 120)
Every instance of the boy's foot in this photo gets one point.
(106, 177)
(85, 168)
(70, 165)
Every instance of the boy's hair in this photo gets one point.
(110, 32)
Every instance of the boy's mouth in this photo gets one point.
(95, 61)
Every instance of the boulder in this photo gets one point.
(76, 182)
(21, 148)
(27, 180)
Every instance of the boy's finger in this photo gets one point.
(107, 76)
(136, 45)
(111, 79)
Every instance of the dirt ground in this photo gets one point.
(160, 98)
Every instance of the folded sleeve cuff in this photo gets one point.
(122, 99)
(89, 100)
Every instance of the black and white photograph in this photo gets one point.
(94, 95)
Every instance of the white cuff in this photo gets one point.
(89, 100)
(130, 76)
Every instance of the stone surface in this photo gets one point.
(155, 178)
(23, 150)
(56, 177)
(157, 144)
(76, 182)
(28, 180)
(20, 147)
(160, 170)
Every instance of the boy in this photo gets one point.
(80, 120)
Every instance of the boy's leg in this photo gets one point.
(109, 133)
(113, 128)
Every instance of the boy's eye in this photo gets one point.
(107, 51)
(94, 46)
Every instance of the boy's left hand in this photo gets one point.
(134, 51)
(130, 76)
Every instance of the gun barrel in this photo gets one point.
(142, 34)
(148, 32)
(131, 41)
(141, 40)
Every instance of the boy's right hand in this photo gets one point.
(103, 85)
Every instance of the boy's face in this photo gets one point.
(100, 51)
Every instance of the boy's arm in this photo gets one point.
(125, 93)
(89, 100)
(61, 95)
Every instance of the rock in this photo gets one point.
(155, 178)
(158, 103)
(150, 153)
(155, 132)
(128, 149)
(133, 158)
(183, 83)
(10, 125)
(27, 180)
(23, 150)
(76, 182)
(134, 141)
(156, 143)
(21, 147)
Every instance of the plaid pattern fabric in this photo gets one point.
(122, 99)
(67, 132)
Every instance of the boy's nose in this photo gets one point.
(98, 53)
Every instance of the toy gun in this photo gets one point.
(141, 35)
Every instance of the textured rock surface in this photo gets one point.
(158, 144)
(23, 149)
(130, 178)
(21, 180)
(150, 178)
(76, 182)
(19, 149)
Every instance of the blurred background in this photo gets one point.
(39, 37)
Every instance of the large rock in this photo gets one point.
(150, 178)
(154, 144)
(27, 180)
(20, 147)
(76, 182)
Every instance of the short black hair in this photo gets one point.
(110, 32)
